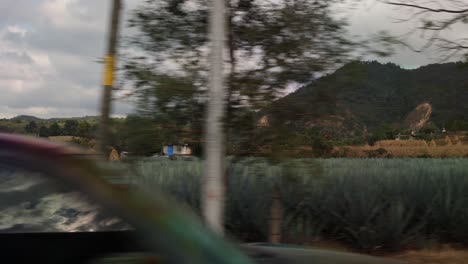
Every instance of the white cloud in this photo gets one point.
(370, 16)
(19, 70)
(15, 29)
(73, 14)
(8, 112)
(48, 55)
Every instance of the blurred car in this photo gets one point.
(56, 206)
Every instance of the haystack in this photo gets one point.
(448, 142)
(114, 155)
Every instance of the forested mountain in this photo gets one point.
(368, 95)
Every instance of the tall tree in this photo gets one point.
(141, 136)
(70, 128)
(271, 45)
(31, 128)
(84, 129)
(54, 129)
(43, 131)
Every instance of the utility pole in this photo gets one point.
(108, 80)
(213, 182)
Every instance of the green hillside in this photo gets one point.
(26, 118)
(369, 95)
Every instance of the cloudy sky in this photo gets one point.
(49, 49)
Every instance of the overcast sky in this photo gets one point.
(49, 48)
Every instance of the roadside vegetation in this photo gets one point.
(371, 205)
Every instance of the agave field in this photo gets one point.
(368, 204)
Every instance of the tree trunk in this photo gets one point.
(276, 216)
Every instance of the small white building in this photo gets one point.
(179, 150)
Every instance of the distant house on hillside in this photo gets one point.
(411, 136)
(179, 150)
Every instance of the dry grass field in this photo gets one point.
(89, 145)
(61, 138)
(441, 148)
(442, 256)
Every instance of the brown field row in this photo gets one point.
(398, 150)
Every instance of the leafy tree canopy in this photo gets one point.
(54, 129)
(70, 128)
(31, 127)
(270, 46)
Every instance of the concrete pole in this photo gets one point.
(213, 182)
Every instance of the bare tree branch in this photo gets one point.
(435, 17)
(435, 10)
